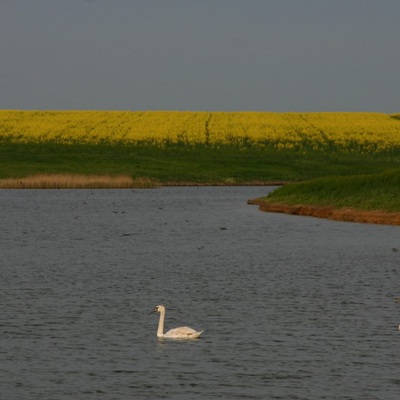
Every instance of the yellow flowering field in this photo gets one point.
(346, 131)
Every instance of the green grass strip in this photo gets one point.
(183, 163)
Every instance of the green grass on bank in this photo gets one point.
(181, 163)
(363, 192)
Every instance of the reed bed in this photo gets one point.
(76, 181)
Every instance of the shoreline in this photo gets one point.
(80, 181)
(342, 214)
(250, 183)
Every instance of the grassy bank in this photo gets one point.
(362, 192)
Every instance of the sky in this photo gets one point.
(200, 55)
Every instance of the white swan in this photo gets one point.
(183, 332)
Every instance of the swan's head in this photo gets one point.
(159, 309)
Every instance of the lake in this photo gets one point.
(293, 307)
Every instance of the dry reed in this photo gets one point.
(72, 181)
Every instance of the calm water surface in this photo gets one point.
(292, 307)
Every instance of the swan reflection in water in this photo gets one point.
(183, 332)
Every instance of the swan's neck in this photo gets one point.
(160, 330)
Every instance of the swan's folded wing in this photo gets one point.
(183, 332)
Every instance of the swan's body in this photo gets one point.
(183, 332)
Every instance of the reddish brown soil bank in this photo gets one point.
(343, 214)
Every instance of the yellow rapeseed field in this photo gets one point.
(346, 131)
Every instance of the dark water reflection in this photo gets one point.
(293, 307)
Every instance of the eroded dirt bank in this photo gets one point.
(343, 214)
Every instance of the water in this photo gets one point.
(292, 307)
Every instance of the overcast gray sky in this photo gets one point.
(214, 55)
